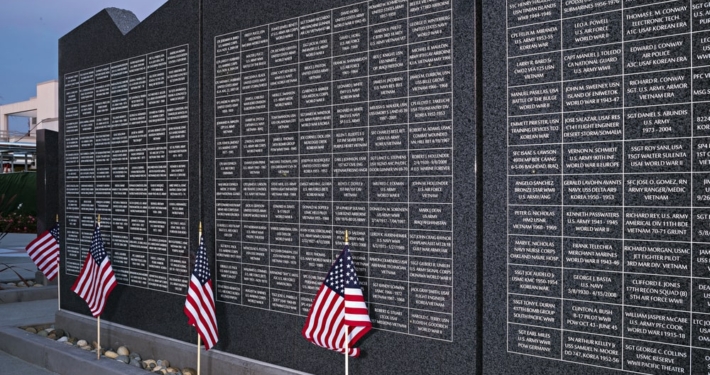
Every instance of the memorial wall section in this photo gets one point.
(606, 116)
(279, 125)
(130, 153)
(325, 123)
(335, 115)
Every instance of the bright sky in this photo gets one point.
(29, 33)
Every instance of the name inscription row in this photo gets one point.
(339, 120)
(608, 174)
(127, 160)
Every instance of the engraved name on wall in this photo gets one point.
(609, 183)
(126, 159)
(332, 121)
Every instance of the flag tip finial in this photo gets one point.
(98, 219)
(200, 228)
(56, 218)
(347, 239)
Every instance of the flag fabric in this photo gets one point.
(44, 251)
(199, 305)
(339, 302)
(96, 279)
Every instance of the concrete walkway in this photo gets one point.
(13, 315)
(23, 353)
(13, 258)
(14, 366)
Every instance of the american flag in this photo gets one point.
(339, 302)
(44, 251)
(96, 279)
(199, 305)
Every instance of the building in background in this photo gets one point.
(18, 148)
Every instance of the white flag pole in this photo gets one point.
(98, 318)
(59, 273)
(199, 238)
(347, 242)
(346, 350)
(98, 337)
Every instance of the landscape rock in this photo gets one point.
(82, 343)
(31, 329)
(163, 363)
(111, 354)
(122, 350)
(124, 359)
(137, 363)
(189, 371)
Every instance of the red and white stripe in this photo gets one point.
(356, 314)
(199, 308)
(95, 283)
(325, 325)
(44, 251)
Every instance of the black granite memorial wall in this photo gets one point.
(596, 252)
(47, 178)
(568, 161)
(281, 124)
(130, 146)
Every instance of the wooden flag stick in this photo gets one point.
(98, 318)
(98, 337)
(59, 274)
(199, 238)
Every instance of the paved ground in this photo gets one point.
(14, 366)
(14, 257)
(27, 313)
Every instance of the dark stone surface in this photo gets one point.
(97, 42)
(580, 115)
(275, 337)
(47, 178)
(125, 20)
(384, 352)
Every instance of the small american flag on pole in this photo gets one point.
(339, 302)
(96, 279)
(199, 305)
(44, 251)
